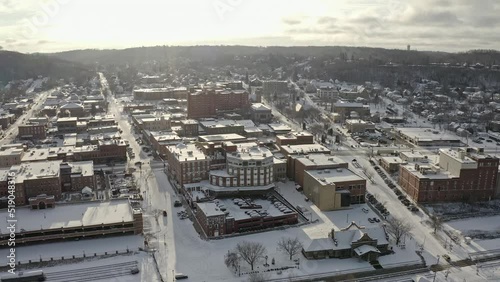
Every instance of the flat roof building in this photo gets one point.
(332, 189)
(95, 219)
(428, 137)
(295, 138)
(187, 163)
(458, 175)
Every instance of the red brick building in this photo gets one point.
(229, 216)
(208, 102)
(458, 176)
(295, 138)
(187, 164)
(105, 152)
(31, 180)
(29, 131)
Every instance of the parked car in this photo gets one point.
(365, 210)
(134, 270)
(370, 220)
(177, 203)
(164, 213)
(447, 258)
(180, 276)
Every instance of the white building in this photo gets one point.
(249, 165)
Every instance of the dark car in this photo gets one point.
(180, 276)
(134, 270)
(177, 203)
(164, 213)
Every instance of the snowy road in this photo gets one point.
(158, 230)
(11, 133)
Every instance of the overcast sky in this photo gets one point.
(55, 25)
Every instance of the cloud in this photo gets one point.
(327, 20)
(291, 21)
(429, 18)
(441, 24)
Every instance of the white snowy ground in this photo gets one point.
(487, 224)
(204, 260)
(115, 268)
(490, 223)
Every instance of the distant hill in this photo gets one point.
(214, 53)
(14, 65)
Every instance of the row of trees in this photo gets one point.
(252, 252)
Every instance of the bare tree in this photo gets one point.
(250, 251)
(436, 223)
(290, 246)
(398, 228)
(231, 259)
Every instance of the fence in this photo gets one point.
(82, 256)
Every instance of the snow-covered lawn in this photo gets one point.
(484, 231)
(490, 223)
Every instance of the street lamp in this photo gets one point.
(266, 257)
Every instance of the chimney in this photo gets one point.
(461, 154)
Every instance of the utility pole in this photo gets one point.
(435, 272)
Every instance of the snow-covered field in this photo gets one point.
(482, 230)
(490, 223)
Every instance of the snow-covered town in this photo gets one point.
(252, 180)
(249, 141)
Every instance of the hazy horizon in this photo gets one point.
(427, 25)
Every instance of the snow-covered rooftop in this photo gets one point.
(72, 215)
(305, 149)
(327, 176)
(187, 152)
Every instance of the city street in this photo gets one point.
(158, 230)
(11, 133)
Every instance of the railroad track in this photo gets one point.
(92, 273)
